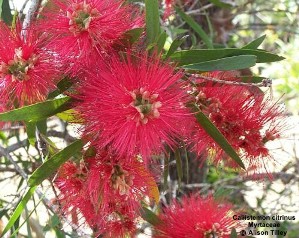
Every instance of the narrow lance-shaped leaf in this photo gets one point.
(30, 129)
(131, 36)
(6, 12)
(217, 136)
(152, 21)
(27, 219)
(150, 216)
(53, 163)
(175, 45)
(233, 234)
(229, 63)
(161, 41)
(197, 28)
(18, 211)
(221, 4)
(255, 43)
(1, 2)
(64, 84)
(38, 111)
(71, 116)
(185, 57)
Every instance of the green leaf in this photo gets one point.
(1, 2)
(6, 15)
(53, 163)
(174, 45)
(185, 57)
(30, 129)
(27, 218)
(130, 37)
(233, 234)
(221, 4)
(251, 79)
(42, 126)
(152, 21)
(18, 211)
(161, 41)
(197, 28)
(217, 136)
(38, 111)
(150, 216)
(134, 34)
(221, 193)
(253, 45)
(179, 166)
(71, 116)
(63, 85)
(229, 63)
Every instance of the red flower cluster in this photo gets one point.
(107, 191)
(196, 217)
(134, 106)
(245, 119)
(85, 30)
(27, 70)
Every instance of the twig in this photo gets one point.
(4, 152)
(265, 82)
(29, 16)
(38, 191)
(23, 7)
(60, 134)
(197, 11)
(55, 210)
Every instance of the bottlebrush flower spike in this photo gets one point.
(116, 189)
(86, 29)
(28, 72)
(196, 217)
(134, 105)
(107, 192)
(112, 180)
(246, 119)
(74, 199)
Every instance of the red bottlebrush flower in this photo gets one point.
(112, 180)
(120, 227)
(107, 192)
(244, 118)
(196, 217)
(73, 197)
(116, 188)
(134, 106)
(27, 70)
(85, 29)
